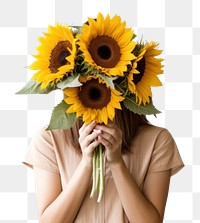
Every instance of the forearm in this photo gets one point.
(138, 209)
(65, 207)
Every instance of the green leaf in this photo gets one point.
(32, 87)
(108, 80)
(70, 82)
(148, 109)
(60, 119)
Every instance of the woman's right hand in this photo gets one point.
(88, 141)
(58, 204)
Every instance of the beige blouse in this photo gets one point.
(153, 150)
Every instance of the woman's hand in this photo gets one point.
(111, 138)
(88, 141)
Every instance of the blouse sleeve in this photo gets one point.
(41, 152)
(165, 155)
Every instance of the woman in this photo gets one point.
(140, 158)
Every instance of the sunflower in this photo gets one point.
(143, 74)
(56, 55)
(107, 45)
(94, 100)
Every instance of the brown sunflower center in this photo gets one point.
(58, 55)
(141, 68)
(94, 95)
(105, 51)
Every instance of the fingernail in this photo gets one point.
(97, 131)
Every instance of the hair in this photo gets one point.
(126, 120)
(129, 122)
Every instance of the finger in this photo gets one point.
(90, 138)
(110, 138)
(108, 131)
(92, 146)
(87, 129)
(82, 128)
(104, 128)
(107, 144)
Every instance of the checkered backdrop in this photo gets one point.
(173, 23)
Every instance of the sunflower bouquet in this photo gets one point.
(98, 66)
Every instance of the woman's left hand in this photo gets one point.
(111, 139)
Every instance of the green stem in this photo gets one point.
(97, 168)
(98, 177)
(93, 174)
(101, 183)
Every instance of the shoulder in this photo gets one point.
(50, 137)
(153, 132)
(43, 132)
(151, 138)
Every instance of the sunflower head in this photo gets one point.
(56, 54)
(94, 100)
(107, 44)
(143, 74)
(95, 64)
